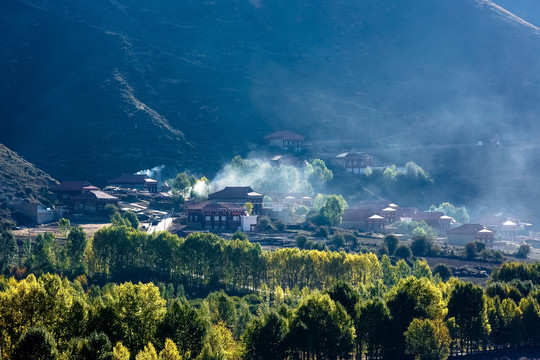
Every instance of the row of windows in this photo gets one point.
(195, 218)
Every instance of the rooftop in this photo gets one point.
(70, 186)
(130, 179)
(234, 192)
(214, 205)
(284, 134)
(466, 229)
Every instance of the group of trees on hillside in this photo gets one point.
(409, 312)
(297, 303)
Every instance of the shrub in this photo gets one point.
(523, 251)
(443, 270)
(391, 241)
(239, 235)
(322, 231)
(403, 252)
(280, 225)
(265, 223)
(338, 240)
(470, 250)
(301, 241)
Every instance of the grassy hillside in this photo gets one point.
(22, 180)
(107, 87)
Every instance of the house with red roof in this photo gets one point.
(286, 140)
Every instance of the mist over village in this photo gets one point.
(270, 180)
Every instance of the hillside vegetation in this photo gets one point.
(22, 180)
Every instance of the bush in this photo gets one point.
(322, 231)
(443, 270)
(523, 251)
(383, 250)
(470, 250)
(280, 225)
(239, 235)
(391, 241)
(423, 245)
(265, 223)
(351, 240)
(301, 241)
(403, 252)
(338, 240)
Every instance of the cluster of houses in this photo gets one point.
(377, 215)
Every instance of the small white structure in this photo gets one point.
(248, 223)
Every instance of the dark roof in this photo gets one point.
(467, 229)
(353, 154)
(70, 186)
(129, 179)
(234, 192)
(375, 205)
(213, 205)
(284, 134)
(356, 214)
(95, 194)
(406, 211)
(427, 215)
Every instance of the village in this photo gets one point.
(274, 218)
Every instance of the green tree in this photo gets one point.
(120, 352)
(391, 241)
(137, 309)
(185, 326)
(427, 340)
(75, 246)
(9, 250)
(523, 251)
(470, 250)
(457, 213)
(342, 292)
(170, 351)
(318, 174)
(64, 226)
(412, 298)
(132, 218)
(109, 210)
(249, 207)
(322, 328)
(264, 339)
(148, 353)
(371, 323)
(466, 306)
(403, 252)
(443, 270)
(36, 344)
(239, 235)
(331, 213)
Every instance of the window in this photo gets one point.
(190, 217)
(216, 217)
(236, 218)
(207, 218)
(223, 218)
(195, 217)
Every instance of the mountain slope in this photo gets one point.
(21, 180)
(96, 88)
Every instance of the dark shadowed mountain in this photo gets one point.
(91, 89)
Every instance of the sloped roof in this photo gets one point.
(95, 194)
(70, 186)
(234, 192)
(129, 179)
(284, 134)
(466, 229)
(406, 211)
(427, 215)
(214, 205)
(509, 223)
(353, 154)
(356, 214)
